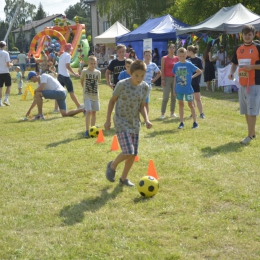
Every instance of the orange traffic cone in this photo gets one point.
(136, 158)
(100, 138)
(114, 145)
(151, 170)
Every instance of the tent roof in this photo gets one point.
(109, 35)
(160, 28)
(228, 19)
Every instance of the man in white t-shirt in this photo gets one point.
(64, 70)
(5, 77)
(49, 88)
(21, 57)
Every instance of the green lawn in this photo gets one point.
(57, 204)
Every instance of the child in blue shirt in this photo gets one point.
(149, 79)
(19, 80)
(125, 73)
(183, 71)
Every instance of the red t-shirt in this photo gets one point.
(168, 65)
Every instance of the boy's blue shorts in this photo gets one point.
(188, 97)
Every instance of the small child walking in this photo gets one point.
(19, 80)
(152, 69)
(129, 97)
(89, 81)
(126, 73)
(183, 71)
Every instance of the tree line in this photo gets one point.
(132, 12)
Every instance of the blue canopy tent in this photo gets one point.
(161, 30)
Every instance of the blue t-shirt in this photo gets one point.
(198, 63)
(151, 68)
(183, 73)
(123, 75)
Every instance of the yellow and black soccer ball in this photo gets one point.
(94, 131)
(148, 186)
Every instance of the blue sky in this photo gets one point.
(49, 6)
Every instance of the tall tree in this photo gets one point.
(32, 33)
(132, 11)
(40, 14)
(26, 12)
(190, 11)
(21, 41)
(82, 10)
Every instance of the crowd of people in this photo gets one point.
(131, 81)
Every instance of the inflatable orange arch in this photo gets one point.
(46, 32)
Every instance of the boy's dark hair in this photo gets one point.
(92, 57)
(171, 44)
(182, 50)
(248, 28)
(120, 46)
(148, 51)
(137, 65)
(193, 48)
(128, 61)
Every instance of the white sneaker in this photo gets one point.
(162, 117)
(173, 115)
(56, 111)
(6, 102)
(2, 105)
(246, 140)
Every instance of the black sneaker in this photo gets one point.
(195, 125)
(181, 125)
(126, 182)
(202, 116)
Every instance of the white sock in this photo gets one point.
(6, 97)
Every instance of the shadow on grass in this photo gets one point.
(68, 140)
(74, 214)
(155, 133)
(218, 94)
(221, 149)
(142, 199)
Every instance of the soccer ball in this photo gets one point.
(148, 186)
(94, 131)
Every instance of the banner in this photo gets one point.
(223, 79)
(148, 44)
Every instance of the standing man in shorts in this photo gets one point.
(5, 77)
(64, 70)
(21, 57)
(49, 88)
(247, 58)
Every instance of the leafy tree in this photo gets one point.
(40, 14)
(132, 11)
(32, 33)
(21, 41)
(3, 31)
(190, 11)
(82, 10)
(26, 12)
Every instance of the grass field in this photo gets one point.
(57, 204)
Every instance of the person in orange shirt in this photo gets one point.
(247, 59)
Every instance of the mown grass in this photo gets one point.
(57, 204)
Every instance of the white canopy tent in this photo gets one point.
(228, 19)
(109, 36)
